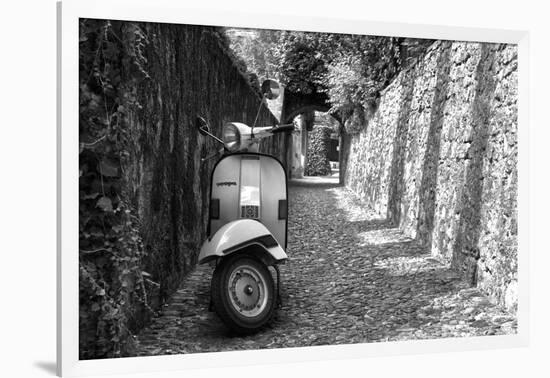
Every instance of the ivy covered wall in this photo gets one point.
(143, 188)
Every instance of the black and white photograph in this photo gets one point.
(275, 188)
(245, 189)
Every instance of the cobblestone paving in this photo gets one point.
(351, 278)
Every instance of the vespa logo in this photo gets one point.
(226, 183)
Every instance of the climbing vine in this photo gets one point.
(110, 247)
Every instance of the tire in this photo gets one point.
(243, 293)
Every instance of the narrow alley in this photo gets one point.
(350, 278)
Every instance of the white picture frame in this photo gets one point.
(69, 13)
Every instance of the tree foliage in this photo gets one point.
(351, 69)
(302, 60)
(256, 49)
(253, 52)
(358, 73)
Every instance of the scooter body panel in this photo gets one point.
(238, 235)
(249, 186)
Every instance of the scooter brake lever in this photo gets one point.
(212, 155)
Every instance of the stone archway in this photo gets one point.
(293, 105)
(298, 103)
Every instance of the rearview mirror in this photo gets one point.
(202, 125)
(270, 89)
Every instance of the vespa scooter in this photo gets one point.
(247, 229)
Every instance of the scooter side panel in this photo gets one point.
(273, 190)
(226, 184)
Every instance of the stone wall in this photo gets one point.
(186, 73)
(190, 75)
(439, 158)
(144, 189)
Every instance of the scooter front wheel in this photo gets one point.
(243, 293)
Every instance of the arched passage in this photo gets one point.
(294, 105)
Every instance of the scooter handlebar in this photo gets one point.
(283, 128)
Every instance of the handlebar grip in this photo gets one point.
(283, 128)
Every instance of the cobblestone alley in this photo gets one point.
(350, 278)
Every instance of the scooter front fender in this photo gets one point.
(239, 235)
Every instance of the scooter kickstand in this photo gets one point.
(279, 300)
(210, 306)
(211, 303)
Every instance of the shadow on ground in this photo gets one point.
(351, 278)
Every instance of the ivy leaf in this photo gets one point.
(90, 196)
(101, 262)
(108, 169)
(105, 204)
(118, 228)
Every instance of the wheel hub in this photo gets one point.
(247, 291)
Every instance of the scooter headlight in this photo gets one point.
(231, 137)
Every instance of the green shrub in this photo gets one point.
(318, 163)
